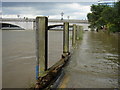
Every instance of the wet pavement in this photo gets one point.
(94, 63)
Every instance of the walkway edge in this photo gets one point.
(52, 73)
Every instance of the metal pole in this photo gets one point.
(66, 38)
(74, 35)
(62, 15)
(42, 42)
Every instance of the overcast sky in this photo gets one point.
(76, 10)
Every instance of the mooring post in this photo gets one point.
(42, 42)
(81, 32)
(77, 36)
(74, 35)
(34, 25)
(66, 38)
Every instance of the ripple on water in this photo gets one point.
(112, 57)
(20, 58)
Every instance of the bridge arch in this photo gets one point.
(8, 26)
(25, 25)
(53, 26)
(57, 25)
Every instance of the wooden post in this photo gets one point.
(42, 42)
(66, 38)
(34, 25)
(74, 35)
(77, 32)
(81, 31)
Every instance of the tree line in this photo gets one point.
(105, 17)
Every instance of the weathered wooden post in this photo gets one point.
(81, 31)
(42, 42)
(66, 38)
(34, 25)
(77, 38)
(74, 35)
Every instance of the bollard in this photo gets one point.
(74, 35)
(42, 42)
(66, 38)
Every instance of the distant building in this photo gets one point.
(107, 2)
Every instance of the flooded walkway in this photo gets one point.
(94, 63)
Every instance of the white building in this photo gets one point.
(107, 2)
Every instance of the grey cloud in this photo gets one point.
(50, 0)
(41, 8)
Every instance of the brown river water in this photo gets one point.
(94, 63)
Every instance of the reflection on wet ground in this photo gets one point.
(94, 63)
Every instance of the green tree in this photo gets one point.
(108, 15)
(117, 18)
(95, 17)
(105, 16)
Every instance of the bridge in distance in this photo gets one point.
(30, 22)
(49, 20)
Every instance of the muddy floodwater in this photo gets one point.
(94, 63)
(19, 56)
